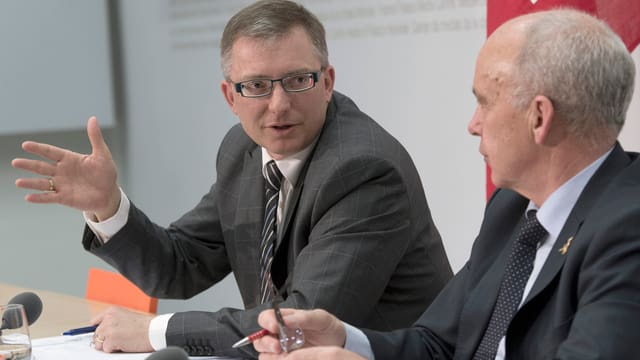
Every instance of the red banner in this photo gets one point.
(623, 16)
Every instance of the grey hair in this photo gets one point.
(582, 66)
(268, 20)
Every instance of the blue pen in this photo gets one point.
(82, 330)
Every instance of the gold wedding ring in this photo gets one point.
(52, 187)
(97, 339)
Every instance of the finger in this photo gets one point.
(97, 345)
(47, 151)
(316, 319)
(35, 166)
(267, 344)
(267, 320)
(109, 346)
(96, 139)
(98, 341)
(43, 198)
(39, 184)
(269, 356)
(330, 352)
(96, 320)
(297, 318)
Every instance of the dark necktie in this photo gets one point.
(512, 287)
(269, 232)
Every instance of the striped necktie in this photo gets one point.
(515, 278)
(269, 231)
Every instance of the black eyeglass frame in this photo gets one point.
(314, 74)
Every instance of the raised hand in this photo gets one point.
(85, 182)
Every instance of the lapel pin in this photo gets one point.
(563, 250)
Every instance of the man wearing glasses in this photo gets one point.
(312, 199)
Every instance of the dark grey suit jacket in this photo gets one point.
(585, 304)
(358, 239)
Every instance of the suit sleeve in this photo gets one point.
(176, 262)
(434, 335)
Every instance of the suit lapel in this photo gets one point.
(279, 269)
(569, 235)
(293, 201)
(294, 197)
(556, 257)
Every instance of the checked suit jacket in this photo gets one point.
(357, 240)
(585, 303)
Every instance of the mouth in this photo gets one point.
(281, 127)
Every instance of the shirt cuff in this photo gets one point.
(104, 230)
(158, 330)
(357, 342)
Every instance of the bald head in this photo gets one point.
(497, 58)
(573, 59)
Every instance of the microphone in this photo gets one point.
(32, 308)
(170, 353)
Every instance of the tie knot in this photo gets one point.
(273, 176)
(532, 231)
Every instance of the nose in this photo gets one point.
(279, 101)
(474, 127)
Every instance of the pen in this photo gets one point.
(251, 338)
(82, 330)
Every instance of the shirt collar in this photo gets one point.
(555, 210)
(290, 166)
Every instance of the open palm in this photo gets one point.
(85, 182)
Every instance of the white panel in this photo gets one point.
(55, 67)
(630, 136)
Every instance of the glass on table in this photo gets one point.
(15, 342)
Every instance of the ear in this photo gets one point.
(229, 91)
(541, 119)
(329, 79)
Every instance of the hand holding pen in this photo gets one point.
(324, 335)
(290, 338)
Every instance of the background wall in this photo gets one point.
(408, 64)
(37, 59)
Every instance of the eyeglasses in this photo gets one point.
(262, 87)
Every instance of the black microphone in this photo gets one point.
(32, 308)
(170, 353)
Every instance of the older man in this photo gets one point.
(555, 270)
